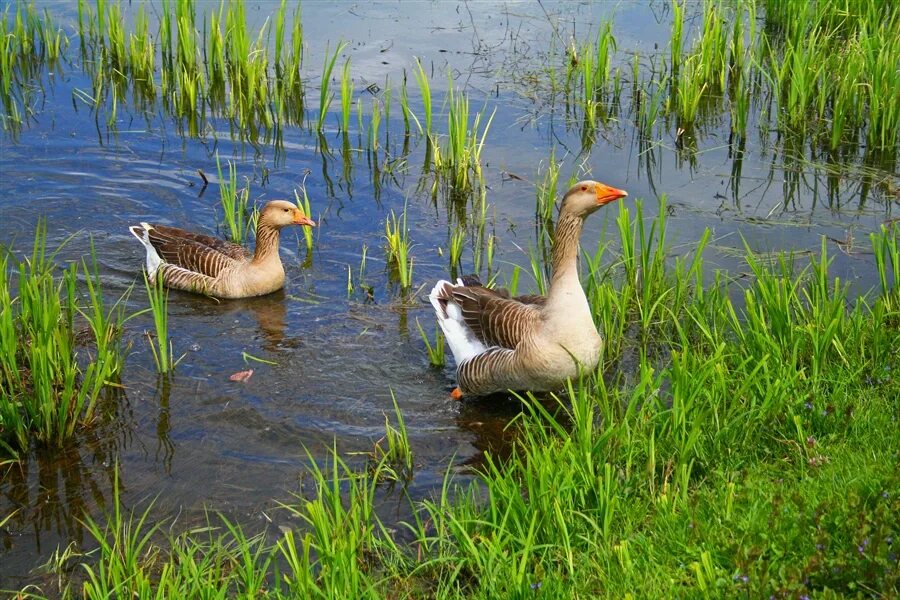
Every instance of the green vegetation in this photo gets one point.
(234, 202)
(58, 349)
(436, 355)
(396, 235)
(161, 347)
(459, 160)
(751, 451)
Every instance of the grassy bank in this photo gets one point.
(750, 450)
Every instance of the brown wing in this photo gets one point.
(195, 252)
(474, 281)
(495, 320)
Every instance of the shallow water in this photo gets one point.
(199, 440)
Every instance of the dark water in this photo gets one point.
(199, 440)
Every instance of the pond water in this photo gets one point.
(199, 440)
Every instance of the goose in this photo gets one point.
(207, 265)
(532, 343)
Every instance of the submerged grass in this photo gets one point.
(751, 451)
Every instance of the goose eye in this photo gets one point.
(285, 210)
(584, 188)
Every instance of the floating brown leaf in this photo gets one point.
(242, 375)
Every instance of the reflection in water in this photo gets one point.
(493, 420)
(52, 490)
(164, 445)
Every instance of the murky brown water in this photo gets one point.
(197, 439)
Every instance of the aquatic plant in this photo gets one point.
(393, 461)
(594, 68)
(436, 354)
(346, 97)
(160, 346)
(459, 160)
(50, 379)
(304, 205)
(396, 234)
(234, 202)
(326, 95)
(425, 92)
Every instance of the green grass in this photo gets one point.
(304, 205)
(234, 202)
(59, 349)
(436, 355)
(326, 94)
(750, 450)
(459, 160)
(160, 345)
(396, 235)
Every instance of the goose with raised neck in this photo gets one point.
(532, 343)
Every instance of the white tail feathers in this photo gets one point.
(460, 338)
(153, 258)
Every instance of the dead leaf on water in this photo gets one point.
(242, 375)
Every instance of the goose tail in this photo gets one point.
(461, 339)
(141, 232)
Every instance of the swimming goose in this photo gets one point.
(206, 265)
(529, 343)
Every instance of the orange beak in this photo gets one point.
(301, 219)
(606, 194)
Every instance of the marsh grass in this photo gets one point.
(58, 350)
(436, 355)
(346, 97)
(425, 92)
(458, 162)
(392, 458)
(396, 235)
(657, 479)
(304, 205)
(234, 202)
(326, 94)
(160, 345)
(594, 68)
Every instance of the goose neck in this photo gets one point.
(266, 242)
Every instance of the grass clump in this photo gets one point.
(396, 235)
(58, 350)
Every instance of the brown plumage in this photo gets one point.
(527, 342)
(207, 265)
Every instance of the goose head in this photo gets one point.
(586, 196)
(281, 213)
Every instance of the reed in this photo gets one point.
(396, 234)
(436, 353)
(49, 382)
(594, 67)
(393, 461)
(326, 95)
(676, 41)
(459, 160)
(455, 248)
(160, 346)
(346, 97)
(304, 205)
(374, 125)
(234, 203)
